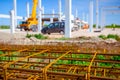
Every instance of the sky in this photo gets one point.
(81, 5)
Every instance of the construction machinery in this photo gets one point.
(31, 23)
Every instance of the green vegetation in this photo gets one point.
(8, 58)
(40, 36)
(29, 36)
(105, 64)
(116, 58)
(112, 36)
(94, 26)
(85, 63)
(37, 36)
(63, 38)
(84, 56)
(4, 27)
(1, 52)
(73, 62)
(2, 58)
(101, 57)
(76, 62)
(102, 36)
(109, 26)
(112, 26)
(75, 56)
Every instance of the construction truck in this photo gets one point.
(31, 23)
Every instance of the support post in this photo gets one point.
(76, 15)
(104, 19)
(101, 19)
(43, 12)
(15, 13)
(59, 2)
(80, 25)
(87, 18)
(91, 16)
(53, 12)
(28, 10)
(97, 14)
(51, 19)
(83, 16)
(12, 17)
(39, 17)
(68, 18)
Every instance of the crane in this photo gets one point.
(32, 22)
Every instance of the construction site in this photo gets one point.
(75, 53)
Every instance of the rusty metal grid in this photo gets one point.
(55, 63)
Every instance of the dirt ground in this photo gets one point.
(6, 35)
(90, 41)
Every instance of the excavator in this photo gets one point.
(31, 23)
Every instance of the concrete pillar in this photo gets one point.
(86, 17)
(28, 10)
(80, 25)
(39, 16)
(91, 16)
(43, 12)
(12, 26)
(51, 19)
(53, 12)
(68, 11)
(104, 19)
(59, 2)
(15, 13)
(83, 16)
(97, 14)
(76, 14)
(101, 19)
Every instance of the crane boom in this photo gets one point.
(32, 22)
(35, 3)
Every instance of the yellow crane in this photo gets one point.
(32, 22)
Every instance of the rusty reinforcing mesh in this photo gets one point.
(44, 62)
